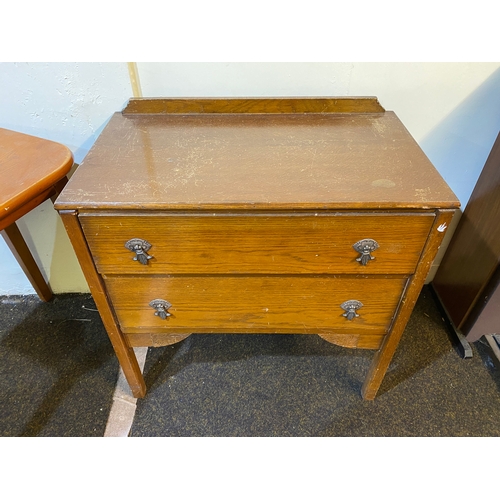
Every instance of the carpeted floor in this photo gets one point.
(57, 376)
(57, 367)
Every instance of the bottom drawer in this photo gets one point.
(260, 304)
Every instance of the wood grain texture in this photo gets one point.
(360, 341)
(266, 243)
(264, 304)
(155, 339)
(263, 162)
(384, 355)
(253, 105)
(123, 350)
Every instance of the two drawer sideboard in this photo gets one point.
(284, 215)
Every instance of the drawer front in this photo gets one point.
(257, 243)
(256, 304)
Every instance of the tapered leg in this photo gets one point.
(21, 252)
(384, 355)
(124, 351)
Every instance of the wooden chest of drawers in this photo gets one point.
(308, 216)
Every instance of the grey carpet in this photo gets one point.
(57, 368)
(300, 385)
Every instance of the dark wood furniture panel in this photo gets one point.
(469, 272)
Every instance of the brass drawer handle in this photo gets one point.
(140, 247)
(350, 307)
(365, 247)
(161, 307)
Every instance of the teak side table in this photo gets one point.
(283, 215)
(32, 170)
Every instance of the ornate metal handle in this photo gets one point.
(364, 247)
(161, 307)
(140, 247)
(350, 307)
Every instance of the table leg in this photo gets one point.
(384, 355)
(124, 351)
(21, 252)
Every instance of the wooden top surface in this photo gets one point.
(193, 159)
(282, 105)
(28, 167)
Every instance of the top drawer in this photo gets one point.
(250, 243)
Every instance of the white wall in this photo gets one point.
(69, 103)
(452, 110)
